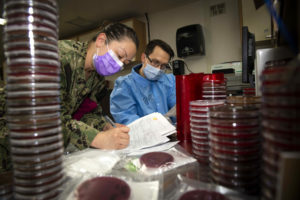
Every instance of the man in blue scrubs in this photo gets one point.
(147, 88)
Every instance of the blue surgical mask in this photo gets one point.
(107, 64)
(152, 73)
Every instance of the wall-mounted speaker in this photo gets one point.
(190, 40)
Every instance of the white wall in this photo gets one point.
(221, 33)
(258, 21)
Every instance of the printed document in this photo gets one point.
(149, 131)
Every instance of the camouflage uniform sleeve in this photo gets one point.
(5, 162)
(76, 133)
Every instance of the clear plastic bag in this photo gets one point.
(182, 185)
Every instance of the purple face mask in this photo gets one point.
(107, 64)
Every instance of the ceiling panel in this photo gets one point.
(78, 16)
(94, 12)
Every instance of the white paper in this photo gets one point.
(148, 131)
(161, 147)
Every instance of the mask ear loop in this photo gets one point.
(106, 41)
(97, 48)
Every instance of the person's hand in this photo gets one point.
(115, 138)
(120, 125)
(109, 126)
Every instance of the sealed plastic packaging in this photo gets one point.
(173, 159)
(92, 161)
(191, 189)
(96, 168)
(159, 165)
(109, 187)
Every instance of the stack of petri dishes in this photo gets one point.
(33, 104)
(214, 87)
(235, 147)
(6, 185)
(244, 100)
(199, 133)
(249, 91)
(281, 117)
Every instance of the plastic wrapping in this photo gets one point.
(180, 159)
(182, 185)
(182, 163)
(138, 189)
(90, 161)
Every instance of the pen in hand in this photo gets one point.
(109, 120)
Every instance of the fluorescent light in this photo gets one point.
(2, 21)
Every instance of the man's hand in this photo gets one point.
(114, 138)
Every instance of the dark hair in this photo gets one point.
(153, 43)
(118, 31)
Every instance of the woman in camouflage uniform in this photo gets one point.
(83, 66)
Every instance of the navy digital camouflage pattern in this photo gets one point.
(74, 89)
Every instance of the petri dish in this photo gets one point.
(205, 103)
(241, 100)
(33, 109)
(41, 5)
(234, 157)
(243, 176)
(202, 194)
(21, 42)
(235, 151)
(240, 124)
(33, 86)
(32, 150)
(29, 78)
(41, 101)
(235, 143)
(34, 124)
(36, 141)
(246, 166)
(234, 112)
(39, 191)
(38, 181)
(27, 53)
(21, 134)
(156, 159)
(37, 158)
(105, 188)
(280, 125)
(36, 168)
(234, 134)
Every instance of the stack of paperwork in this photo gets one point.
(149, 133)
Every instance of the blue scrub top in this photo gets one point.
(134, 96)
